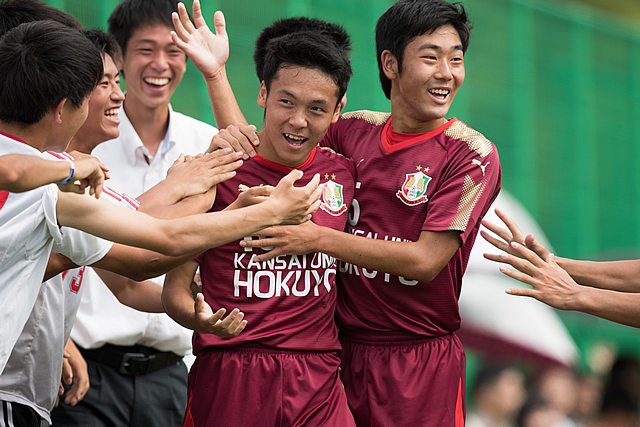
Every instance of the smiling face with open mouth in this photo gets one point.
(153, 66)
(431, 74)
(299, 107)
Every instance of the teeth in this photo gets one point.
(440, 91)
(112, 112)
(295, 138)
(156, 81)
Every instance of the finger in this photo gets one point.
(515, 262)
(97, 188)
(521, 292)
(178, 42)
(219, 24)
(519, 276)
(536, 247)
(243, 140)
(235, 324)
(197, 15)
(496, 257)
(184, 19)
(217, 143)
(271, 254)
(528, 254)
(497, 230)
(292, 177)
(179, 30)
(511, 225)
(60, 390)
(262, 243)
(500, 244)
(240, 328)
(227, 321)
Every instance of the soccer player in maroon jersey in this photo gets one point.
(424, 184)
(283, 368)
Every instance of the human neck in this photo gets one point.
(151, 124)
(403, 123)
(35, 135)
(82, 144)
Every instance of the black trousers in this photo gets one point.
(16, 415)
(155, 399)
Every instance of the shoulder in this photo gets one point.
(364, 118)
(188, 123)
(337, 160)
(460, 135)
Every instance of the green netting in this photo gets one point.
(554, 87)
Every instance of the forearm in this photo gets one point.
(615, 306)
(189, 206)
(143, 296)
(20, 173)
(223, 102)
(407, 259)
(56, 265)
(622, 276)
(162, 194)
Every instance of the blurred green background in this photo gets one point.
(553, 84)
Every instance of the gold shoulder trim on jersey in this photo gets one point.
(331, 150)
(469, 197)
(474, 139)
(375, 118)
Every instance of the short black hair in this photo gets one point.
(105, 43)
(408, 19)
(16, 12)
(286, 26)
(130, 15)
(42, 63)
(309, 50)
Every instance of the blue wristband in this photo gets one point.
(73, 169)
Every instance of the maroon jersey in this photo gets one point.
(289, 301)
(442, 180)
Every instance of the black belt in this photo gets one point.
(132, 360)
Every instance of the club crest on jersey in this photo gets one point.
(414, 189)
(332, 200)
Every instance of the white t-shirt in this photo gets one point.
(101, 317)
(28, 229)
(32, 374)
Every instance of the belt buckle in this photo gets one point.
(134, 363)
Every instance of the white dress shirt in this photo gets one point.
(101, 317)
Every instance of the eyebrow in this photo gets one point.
(109, 75)
(438, 48)
(315, 101)
(153, 42)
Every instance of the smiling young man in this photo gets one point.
(401, 279)
(282, 369)
(152, 137)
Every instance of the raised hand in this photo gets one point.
(294, 205)
(241, 138)
(212, 323)
(208, 51)
(513, 234)
(196, 175)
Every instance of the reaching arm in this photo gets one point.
(621, 276)
(56, 265)
(20, 173)
(142, 296)
(421, 260)
(286, 205)
(196, 314)
(209, 52)
(552, 285)
(190, 176)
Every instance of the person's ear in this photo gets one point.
(58, 110)
(262, 95)
(389, 65)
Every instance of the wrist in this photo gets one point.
(216, 77)
(71, 173)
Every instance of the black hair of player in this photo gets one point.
(130, 15)
(408, 19)
(106, 43)
(16, 12)
(42, 63)
(286, 26)
(308, 50)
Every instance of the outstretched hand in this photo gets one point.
(294, 205)
(284, 240)
(212, 323)
(513, 234)
(89, 172)
(550, 283)
(208, 51)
